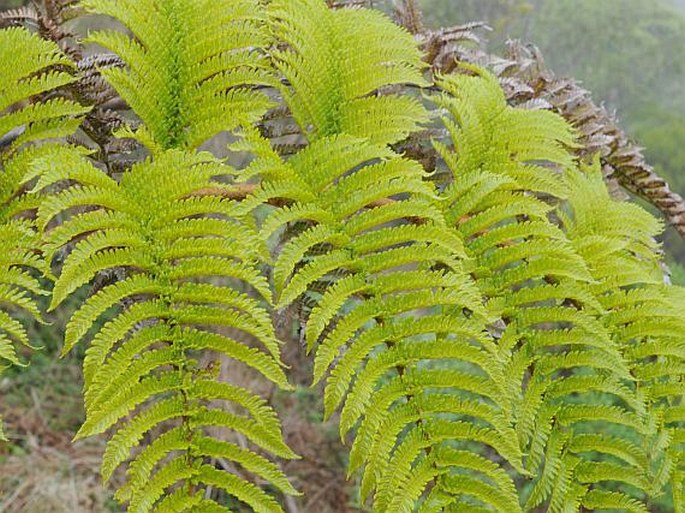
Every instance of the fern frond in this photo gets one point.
(361, 233)
(573, 377)
(645, 316)
(599, 499)
(30, 69)
(192, 68)
(370, 307)
(336, 61)
(187, 293)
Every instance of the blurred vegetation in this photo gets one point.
(9, 4)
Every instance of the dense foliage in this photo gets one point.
(494, 333)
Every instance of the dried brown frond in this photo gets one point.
(622, 160)
(339, 4)
(21, 16)
(409, 15)
(51, 16)
(448, 46)
(92, 87)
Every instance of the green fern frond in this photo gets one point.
(504, 342)
(644, 315)
(491, 136)
(361, 233)
(155, 336)
(30, 68)
(508, 169)
(372, 271)
(192, 68)
(337, 61)
(600, 499)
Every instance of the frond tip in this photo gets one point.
(338, 63)
(42, 67)
(192, 68)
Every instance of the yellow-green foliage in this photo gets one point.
(398, 326)
(644, 315)
(152, 367)
(575, 395)
(189, 290)
(190, 66)
(336, 61)
(29, 67)
(503, 342)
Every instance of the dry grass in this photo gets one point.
(44, 472)
(41, 470)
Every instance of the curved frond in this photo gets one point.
(187, 298)
(30, 67)
(336, 61)
(30, 70)
(193, 69)
(569, 378)
(644, 314)
(360, 234)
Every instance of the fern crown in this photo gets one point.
(492, 334)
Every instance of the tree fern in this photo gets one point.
(501, 342)
(644, 314)
(26, 117)
(190, 291)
